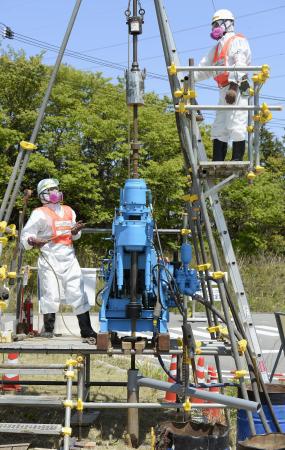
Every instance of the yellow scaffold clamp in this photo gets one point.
(185, 232)
(198, 349)
(251, 175)
(3, 226)
(3, 240)
(29, 146)
(12, 275)
(178, 93)
(259, 169)
(214, 329)
(181, 108)
(68, 403)
(3, 305)
(179, 342)
(203, 267)
(251, 91)
(189, 94)
(69, 374)
(256, 78)
(11, 230)
(265, 70)
(223, 331)
(80, 359)
(3, 273)
(187, 405)
(239, 373)
(265, 113)
(262, 76)
(66, 431)
(71, 362)
(218, 275)
(242, 346)
(250, 128)
(190, 198)
(79, 405)
(172, 69)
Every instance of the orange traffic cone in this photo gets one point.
(200, 373)
(171, 396)
(214, 414)
(13, 359)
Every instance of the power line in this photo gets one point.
(196, 27)
(79, 55)
(214, 6)
(117, 66)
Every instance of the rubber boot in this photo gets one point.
(219, 150)
(238, 151)
(49, 320)
(85, 326)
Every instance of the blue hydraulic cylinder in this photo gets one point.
(186, 253)
(186, 279)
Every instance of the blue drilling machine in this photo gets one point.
(140, 284)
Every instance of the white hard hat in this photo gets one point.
(223, 14)
(47, 183)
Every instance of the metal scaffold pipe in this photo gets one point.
(231, 402)
(230, 107)
(218, 68)
(37, 124)
(95, 405)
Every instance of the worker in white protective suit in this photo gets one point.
(232, 50)
(52, 228)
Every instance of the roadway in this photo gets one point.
(266, 330)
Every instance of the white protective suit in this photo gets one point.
(59, 257)
(229, 125)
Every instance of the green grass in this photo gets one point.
(264, 281)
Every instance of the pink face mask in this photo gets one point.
(217, 33)
(55, 197)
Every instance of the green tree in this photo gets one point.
(84, 142)
(256, 213)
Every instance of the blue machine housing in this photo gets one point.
(132, 231)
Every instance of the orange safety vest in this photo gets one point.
(221, 59)
(61, 226)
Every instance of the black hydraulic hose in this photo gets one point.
(257, 373)
(160, 252)
(171, 288)
(168, 373)
(158, 288)
(239, 336)
(97, 295)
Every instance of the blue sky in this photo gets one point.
(100, 32)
